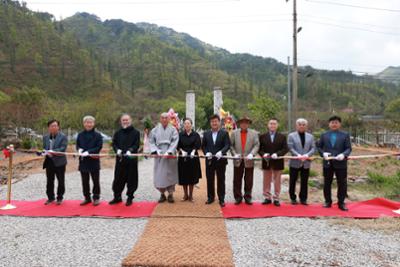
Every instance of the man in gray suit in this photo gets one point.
(244, 146)
(301, 145)
(54, 163)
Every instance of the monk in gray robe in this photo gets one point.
(163, 142)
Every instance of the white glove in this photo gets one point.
(193, 153)
(49, 153)
(237, 156)
(166, 154)
(340, 157)
(80, 151)
(274, 156)
(85, 154)
(266, 155)
(184, 153)
(219, 155)
(250, 156)
(209, 155)
(128, 153)
(326, 155)
(304, 157)
(119, 152)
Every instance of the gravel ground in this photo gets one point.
(308, 242)
(70, 241)
(67, 241)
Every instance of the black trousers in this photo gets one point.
(86, 184)
(341, 177)
(125, 173)
(293, 176)
(213, 167)
(51, 173)
(238, 173)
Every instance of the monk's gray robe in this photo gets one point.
(165, 170)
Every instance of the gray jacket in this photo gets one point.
(59, 144)
(252, 146)
(296, 149)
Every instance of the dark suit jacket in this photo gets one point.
(279, 146)
(342, 145)
(92, 142)
(222, 144)
(60, 144)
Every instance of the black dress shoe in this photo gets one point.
(343, 207)
(266, 201)
(238, 201)
(222, 203)
(209, 201)
(171, 198)
(49, 201)
(293, 202)
(96, 202)
(85, 202)
(59, 201)
(304, 203)
(162, 198)
(248, 201)
(129, 202)
(327, 205)
(276, 203)
(115, 201)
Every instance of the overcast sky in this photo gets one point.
(333, 36)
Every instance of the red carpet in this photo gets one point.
(71, 208)
(370, 209)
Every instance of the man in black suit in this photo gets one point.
(335, 146)
(126, 141)
(216, 144)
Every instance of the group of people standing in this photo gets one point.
(165, 142)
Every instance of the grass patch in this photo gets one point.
(388, 186)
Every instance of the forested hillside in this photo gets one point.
(82, 65)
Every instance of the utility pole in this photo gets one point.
(289, 97)
(294, 71)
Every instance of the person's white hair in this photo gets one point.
(301, 121)
(88, 118)
(164, 114)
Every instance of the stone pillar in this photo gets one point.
(217, 99)
(191, 106)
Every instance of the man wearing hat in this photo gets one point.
(244, 146)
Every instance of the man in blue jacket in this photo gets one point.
(335, 146)
(88, 142)
(55, 141)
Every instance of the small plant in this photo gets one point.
(26, 143)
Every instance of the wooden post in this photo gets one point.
(9, 206)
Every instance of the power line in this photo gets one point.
(349, 27)
(353, 6)
(352, 22)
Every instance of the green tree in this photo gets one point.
(263, 109)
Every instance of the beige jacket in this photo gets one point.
(252, 146)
